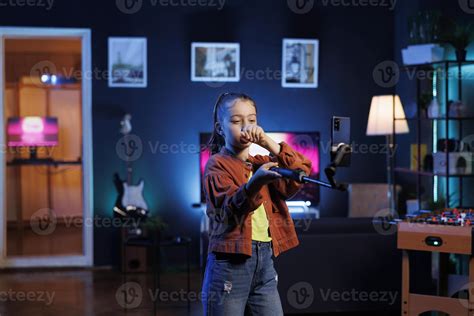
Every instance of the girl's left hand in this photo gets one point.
(254, 134)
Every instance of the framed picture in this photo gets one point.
(215, 61)
(127, 62)
(300, 63)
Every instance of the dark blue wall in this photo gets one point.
(173, 109)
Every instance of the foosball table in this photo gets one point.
(447, 231)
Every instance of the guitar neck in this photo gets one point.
(129, 172)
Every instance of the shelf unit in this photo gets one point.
(445, 66)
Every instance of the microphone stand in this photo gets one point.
(330, 171)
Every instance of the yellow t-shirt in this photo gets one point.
(260, 223)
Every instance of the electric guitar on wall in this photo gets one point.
(130, 201)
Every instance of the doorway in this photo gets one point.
(46, 157)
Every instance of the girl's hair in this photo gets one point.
(228, 98)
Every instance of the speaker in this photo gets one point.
(136, 259)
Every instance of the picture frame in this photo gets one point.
(300, 63)
(127, 62)
(215, 62)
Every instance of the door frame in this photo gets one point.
(86, 259)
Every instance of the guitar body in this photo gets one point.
(133, 195)
(130, 201)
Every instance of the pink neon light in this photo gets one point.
(32, 131)
(32, 125)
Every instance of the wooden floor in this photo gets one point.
(102, 292)
(99, 292)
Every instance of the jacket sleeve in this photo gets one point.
(290, 159)
(225, 197)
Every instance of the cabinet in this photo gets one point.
(447, 81)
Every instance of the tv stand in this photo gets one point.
(42, 161)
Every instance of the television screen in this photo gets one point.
(305, 143)
(32, 131)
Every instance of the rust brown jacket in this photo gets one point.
(229, 205)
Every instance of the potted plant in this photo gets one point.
(424, 37)
(153, 224)
(146, 227)
(459, 36)
(440, 204)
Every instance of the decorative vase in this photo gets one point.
(433, 109)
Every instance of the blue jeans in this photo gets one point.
(238, 285)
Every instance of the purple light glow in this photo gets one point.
(32, 131)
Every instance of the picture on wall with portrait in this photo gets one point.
(300, 63)
(215, 61)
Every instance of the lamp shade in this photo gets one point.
(381, 116)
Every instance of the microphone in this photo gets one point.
(300, 176)
(297, 175)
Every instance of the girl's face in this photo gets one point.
(236, 117)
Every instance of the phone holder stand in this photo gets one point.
(340, 157)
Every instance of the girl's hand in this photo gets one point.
(254, 134)
(262, 176)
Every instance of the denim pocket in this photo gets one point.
(231, 258)
(221, 258)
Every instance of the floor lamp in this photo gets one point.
(383, 110)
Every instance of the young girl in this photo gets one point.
(248, 217)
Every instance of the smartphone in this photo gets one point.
(340, 134)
